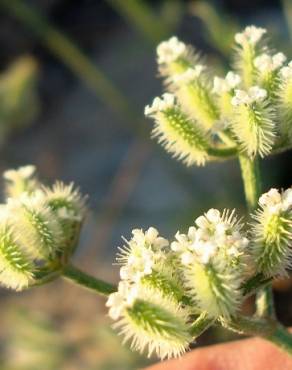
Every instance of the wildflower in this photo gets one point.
(150, 320)
(176, 132)
(213, 263)
(272, 233)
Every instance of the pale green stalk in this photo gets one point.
(250, 173)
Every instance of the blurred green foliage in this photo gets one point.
(19, 101)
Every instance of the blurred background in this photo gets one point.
(74, 79)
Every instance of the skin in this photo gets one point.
(247, 354)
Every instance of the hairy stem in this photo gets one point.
(81, 278)
(252, 187)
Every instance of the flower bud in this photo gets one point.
(249, 46)
(272, 233)
(195, 96)
(176, 132)
(253, 121)
(174, 57)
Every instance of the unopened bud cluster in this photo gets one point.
(248, 110)
(165, 285)
(39, 227)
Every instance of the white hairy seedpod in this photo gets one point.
(272, 233)
(213, 262)
(180, 135)
(22, 179)
(253, 121)
(285, 103)
(175, 57)
(195, 96)
(151, 321)
(249, 45)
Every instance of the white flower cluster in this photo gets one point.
(170, 50)
(189, 75)
(254, 94)
(141, 254)
(251, 35)
(213, 231)
(275, 202)
(286, 72)
(268, 63)
(160, 104)
(221, 85)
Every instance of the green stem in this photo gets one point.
(201, 324)
(222, 152)
(252, 187)
(251, 180)
(266, 328)
(81, 278)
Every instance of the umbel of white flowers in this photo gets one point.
(250, 110)
(39, 227)
(168, 288)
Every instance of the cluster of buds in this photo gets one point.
(248, 111)
(172, 291)
(39, 227)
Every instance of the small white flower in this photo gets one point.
(189, 75)
(269, 63)
(24, 172)
(170, 50)
(121, 299)
(286, 72)
(226, 84)
(160, 104)
(254, 94)
(251, 35)
(141, 254)
(275, 202)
